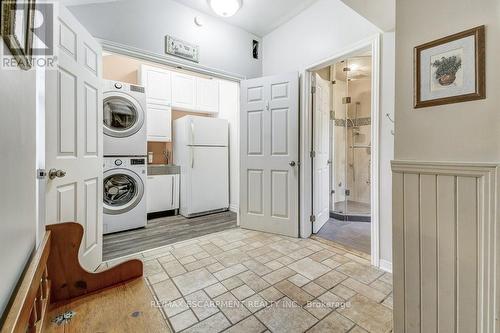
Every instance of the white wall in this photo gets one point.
(382, 13)
(387, 88)
(320, 31)
(229, 109)
(222, 46)
(470, 131)
(18, 177)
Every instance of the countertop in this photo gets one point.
(163, 169)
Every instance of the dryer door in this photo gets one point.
(123, 116)
(123, 190)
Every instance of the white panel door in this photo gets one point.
(269, 152)
(321, 147)
(159, 123)
(183, 91)
(74, 135)
(158, 84)
(207, 95)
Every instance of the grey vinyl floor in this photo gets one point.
(354, 235)
(163, 231)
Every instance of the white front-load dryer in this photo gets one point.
(124, 119)
(124, 193)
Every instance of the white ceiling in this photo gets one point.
(256, 16)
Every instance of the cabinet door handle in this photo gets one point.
(173, 179)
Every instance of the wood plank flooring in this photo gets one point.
(163, 231)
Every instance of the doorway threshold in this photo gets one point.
(363, 256)
(350, 217)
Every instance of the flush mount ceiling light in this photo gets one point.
(225, 8)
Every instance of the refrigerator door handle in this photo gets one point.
(192, 132)
(192, 157)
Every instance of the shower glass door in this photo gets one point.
(358, 138)
(340, 92)
(351, 138)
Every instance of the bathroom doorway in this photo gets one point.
(342, 154)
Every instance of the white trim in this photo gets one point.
(372, 43)
(385, 265)
(234, 208)
(134, 52)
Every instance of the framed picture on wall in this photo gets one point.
(17, 22)
(450, 69)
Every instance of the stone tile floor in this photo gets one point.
(247, 281)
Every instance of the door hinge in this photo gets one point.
(346, 100)
(347, 192)
(312, 218)
(312, 154)
(332, 115)
(41, 174)
(313, 89)
(334, 82)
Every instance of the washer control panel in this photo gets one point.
(136, 163)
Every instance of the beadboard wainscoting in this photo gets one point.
(445, 247)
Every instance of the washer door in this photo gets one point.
(123, 116)
(123, 190)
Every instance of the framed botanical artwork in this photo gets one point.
(17, 22)
(450, 69)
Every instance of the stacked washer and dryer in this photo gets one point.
(125, 150)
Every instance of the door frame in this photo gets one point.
(179, 64)
(306, 140)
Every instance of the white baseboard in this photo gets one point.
(234, 208)
(386, 265)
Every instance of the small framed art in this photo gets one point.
(450, 69)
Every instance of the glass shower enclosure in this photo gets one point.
(351, 139)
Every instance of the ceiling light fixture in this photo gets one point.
(225, 8)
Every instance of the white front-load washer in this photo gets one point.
(124, 193)
(124, 119)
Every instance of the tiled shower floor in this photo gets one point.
(247, 281)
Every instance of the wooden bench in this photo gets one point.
(114, 300)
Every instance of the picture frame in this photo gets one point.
(450, 69)
(16, 28)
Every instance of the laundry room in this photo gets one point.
(169, 134)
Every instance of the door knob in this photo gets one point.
(53, 173)
(292, 163)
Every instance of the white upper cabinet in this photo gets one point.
(159, 123)
(207, 95)
(183, 91)
(158, 84)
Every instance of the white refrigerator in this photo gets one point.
(201, 150)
